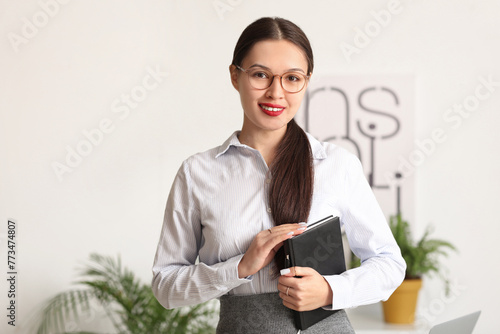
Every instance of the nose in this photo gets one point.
(276, 91)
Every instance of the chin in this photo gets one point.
(275, 125)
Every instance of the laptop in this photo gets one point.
(462, 325)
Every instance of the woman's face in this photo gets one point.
(272, 108)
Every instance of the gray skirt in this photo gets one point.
(265, 313)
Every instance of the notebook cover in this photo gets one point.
(319, 247)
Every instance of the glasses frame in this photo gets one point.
(272, 80)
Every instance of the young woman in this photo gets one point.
(233, 206)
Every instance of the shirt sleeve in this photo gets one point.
(382, 267)
(177, 279)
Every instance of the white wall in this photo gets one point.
(69, 76)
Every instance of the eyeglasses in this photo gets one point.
(292, 82)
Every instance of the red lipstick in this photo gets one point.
(271, 109)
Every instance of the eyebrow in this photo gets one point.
(267, 68)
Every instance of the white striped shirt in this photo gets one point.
(219, 202)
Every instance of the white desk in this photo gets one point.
(369, 319)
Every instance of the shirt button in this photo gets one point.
(269, 210)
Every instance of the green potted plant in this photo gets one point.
(129, 304)
(422, 258)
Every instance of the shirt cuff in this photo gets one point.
(341, 289)
(229, 272)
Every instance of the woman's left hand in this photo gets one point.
(305, 293)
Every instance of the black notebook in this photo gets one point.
(319, 247)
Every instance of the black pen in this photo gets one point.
(287, 261)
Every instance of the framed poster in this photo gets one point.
(372, 116)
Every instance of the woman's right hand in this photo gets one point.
(264, 246)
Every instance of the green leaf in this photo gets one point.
(422, 257)
(128, 303)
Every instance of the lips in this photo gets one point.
(271, 109)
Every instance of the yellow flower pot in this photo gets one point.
(400, 307)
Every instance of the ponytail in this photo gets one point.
(291, 188)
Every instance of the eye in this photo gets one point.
(294, 77)
(260, 75)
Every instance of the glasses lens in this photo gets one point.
(293, 82)
(260, 79)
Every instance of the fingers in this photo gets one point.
(295, 276)
(278, 246)
(304, 271)
(298, 271)
(290, 305)
(272, 239)
(290, 297)
(285, 228)
(275, 241)
(283, 232)
(287, 291)
(290, 272)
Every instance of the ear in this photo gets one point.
(233, 71)
(308, 80)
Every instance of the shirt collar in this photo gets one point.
(231, 141)
(318, 151)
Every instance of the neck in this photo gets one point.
(266, 142)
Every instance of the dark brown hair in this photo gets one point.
(291, 188)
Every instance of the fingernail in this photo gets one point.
(289, 233)
(301, 228)
(284, 271)
(303, 223)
